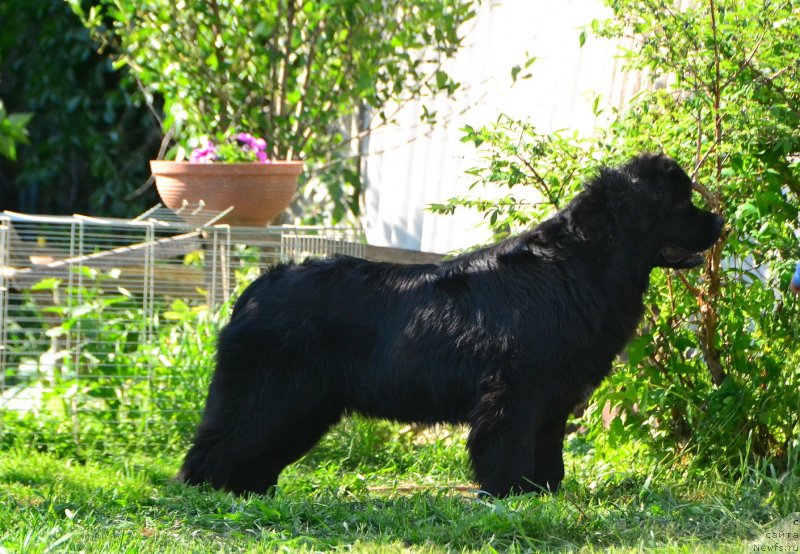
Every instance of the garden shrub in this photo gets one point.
(713, 373)
(90, 134)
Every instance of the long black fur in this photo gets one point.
(507, 339)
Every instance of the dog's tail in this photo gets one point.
(205, 463)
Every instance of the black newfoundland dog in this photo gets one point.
(507, 339)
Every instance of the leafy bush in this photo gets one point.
(90, 138)
(714, 371)
(302, 75)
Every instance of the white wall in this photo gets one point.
(410, 165)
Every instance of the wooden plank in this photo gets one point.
(163, 248)
(401, 256)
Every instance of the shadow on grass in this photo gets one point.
(450, 520)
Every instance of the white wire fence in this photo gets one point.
(107, 326)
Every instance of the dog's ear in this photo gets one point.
(651, 166)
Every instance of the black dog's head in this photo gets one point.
(683, 231)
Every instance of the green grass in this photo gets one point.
(370, 488)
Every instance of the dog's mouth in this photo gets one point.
(676, 257)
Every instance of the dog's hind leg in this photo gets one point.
(278, 444)
(257, 422)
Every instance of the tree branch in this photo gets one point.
(307, 82)
(216, 40)
(291, 12)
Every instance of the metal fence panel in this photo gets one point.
(86, 305)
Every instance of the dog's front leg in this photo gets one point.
(502, 448)
(549, 470)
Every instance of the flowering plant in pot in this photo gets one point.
(229, 172)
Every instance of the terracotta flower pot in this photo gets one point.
(258, 192)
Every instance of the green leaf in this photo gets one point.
(442, 79)
(50, 283)
(212, 61)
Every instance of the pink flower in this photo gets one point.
(204, 154)
(246, 138)
(257, 146)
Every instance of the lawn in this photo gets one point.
(373, 487)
